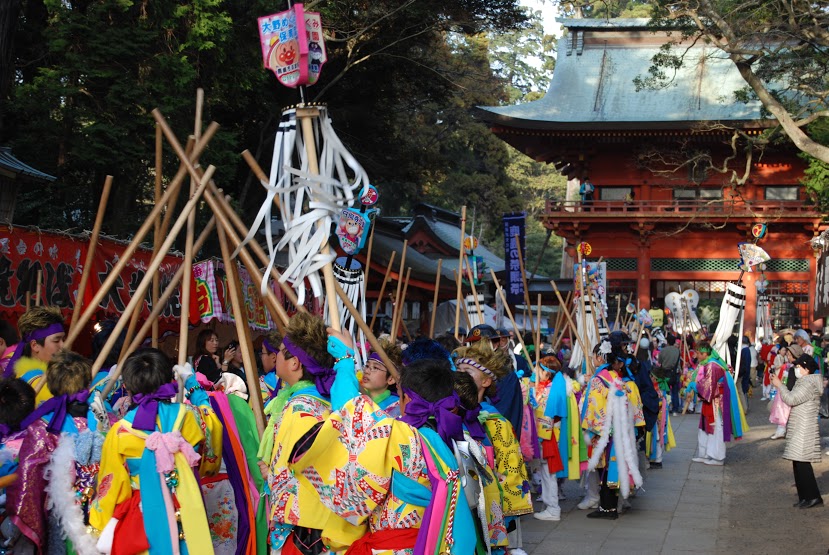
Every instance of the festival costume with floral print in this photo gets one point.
(660, 439)
(148, 494)
(31, 371)
(394, 483)
(558, 400)
(58, 464)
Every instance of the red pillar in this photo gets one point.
(643, 281)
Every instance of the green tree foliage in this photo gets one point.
(604, 9)
(401, 82)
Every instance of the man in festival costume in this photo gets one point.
(509, 397)
(379, 383)
(42, 334)
(148, 496)
(722, 417)
(610, 418)
(236, 512)
(59, 460)
(298, 519)
(395, 482)
(487, 366)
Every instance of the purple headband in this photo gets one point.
(375, 356)
(36, 335)
(418, 410)
(324, 377)
(475, 364)
(58, 407)
(267, 344)
(148, 406)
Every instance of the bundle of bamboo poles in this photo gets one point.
(229, 229)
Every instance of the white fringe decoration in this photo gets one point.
(352, 281)
(732, 305)
(308, 203)
(60, 491)
(590, 336)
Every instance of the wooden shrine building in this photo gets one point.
(667, 214)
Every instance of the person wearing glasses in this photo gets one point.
(379, 383)
(803, 435)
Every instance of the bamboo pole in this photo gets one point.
(28, 300)
(304, 115)
(172, 287)
(170, 207)
(382, 288)
(242, 231)
(527, 302)
(38, 286)
(465, 311)
(159, 144)
(375, 345)
(509, 313)
(560, 321)
(396, 311)
(134, 317)
(460, 271)
(574, 329)
(277, 311)
(538, 334)
(138, 295)
(580, 286)
(402, 304)
(126, 256)
(368, 260)
(90, 255)
(618, 311)
(260, 175)
(242, 333)
(435, 300)
(474, 290)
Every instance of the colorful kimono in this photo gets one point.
(388, 403)
(146, 476)
(660, 439)
(291, 506)
(528, 435)
(268, 387)
(509, 466)
(388, 481)
(720, 401)
(31, 371)
(236, 512)
(561, 403)
(58, 472)
(612, 411)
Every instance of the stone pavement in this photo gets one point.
(678, 511)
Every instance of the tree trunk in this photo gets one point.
(9, 13)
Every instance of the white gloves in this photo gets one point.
(183, 371)
(96, 405)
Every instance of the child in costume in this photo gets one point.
(17, 401)
(379, 383)
(612, 412)
(42, 335)
(721, 417)
(487, 366)
(305, 368)
(550, 463)
(148, 494)
(59, 459)
(395, 481)
(236, 512)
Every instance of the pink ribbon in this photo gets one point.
(166, 445)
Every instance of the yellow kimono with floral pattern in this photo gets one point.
(509, 463)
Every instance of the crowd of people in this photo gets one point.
(443, 451)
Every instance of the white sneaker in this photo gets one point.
(548, 514)
(588, 503)
(699, 459)
(776, 436)
(516, 551)
(714, 462)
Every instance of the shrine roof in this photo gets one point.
(10, 164)
(593, 84)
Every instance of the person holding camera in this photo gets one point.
(803, 438)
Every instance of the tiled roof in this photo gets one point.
(9, 163)
(593, 88)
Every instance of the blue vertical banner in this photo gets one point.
(514, 226)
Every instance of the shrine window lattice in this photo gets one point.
(723, 265)
(788, 304)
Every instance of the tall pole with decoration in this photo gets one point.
(316, 181)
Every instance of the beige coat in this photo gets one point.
(803, 435)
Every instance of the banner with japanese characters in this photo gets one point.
(514, 226)
(59, 259)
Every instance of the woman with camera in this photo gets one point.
(803, 439)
